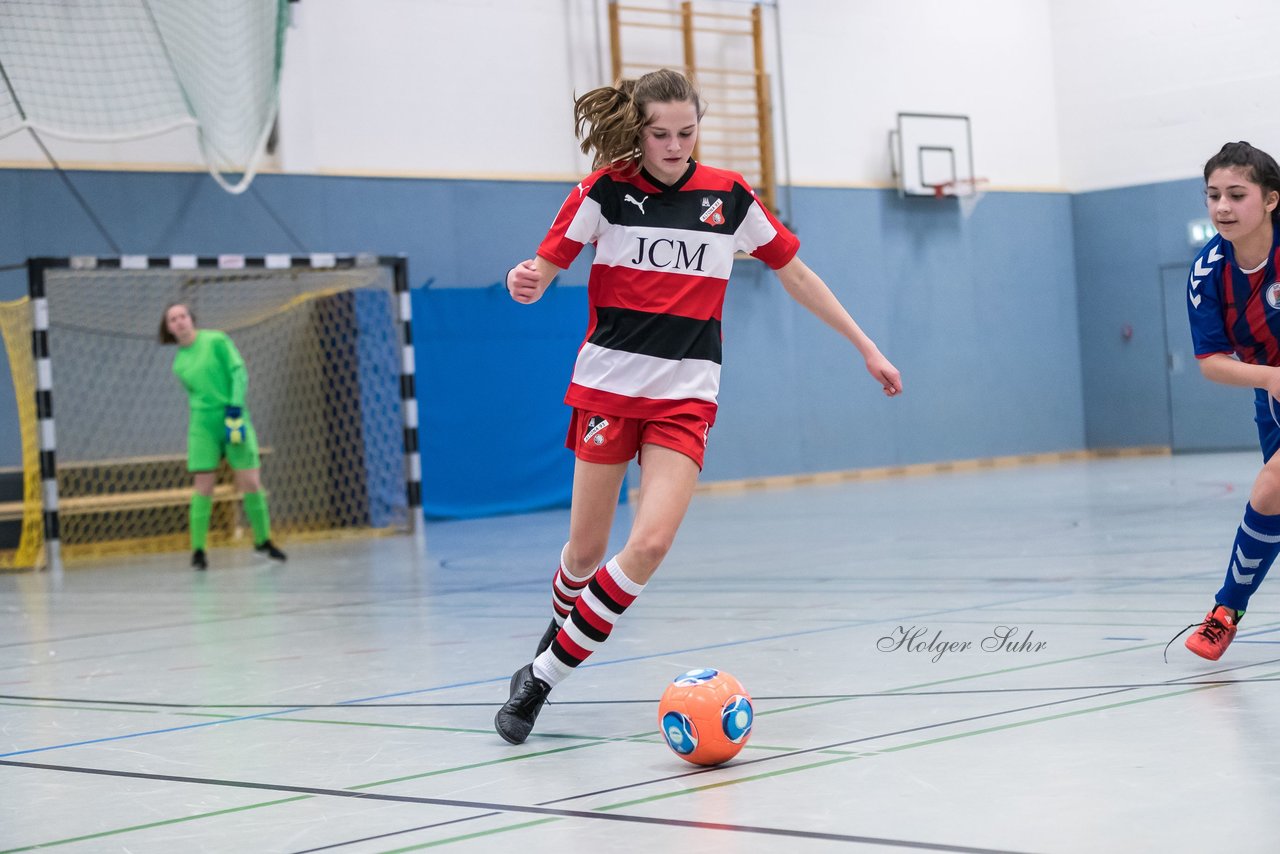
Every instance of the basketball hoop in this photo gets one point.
(959, 188)
(968, 191)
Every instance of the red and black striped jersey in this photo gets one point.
(656, 290)
(1233, 310)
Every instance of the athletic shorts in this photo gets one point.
(597, 437)
(207, 443)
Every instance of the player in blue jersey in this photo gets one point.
(1233, 301)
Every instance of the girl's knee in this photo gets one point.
(580, 559)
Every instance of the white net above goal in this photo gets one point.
(113, 70)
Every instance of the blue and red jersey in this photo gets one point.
(662, 261)
(1234, 310)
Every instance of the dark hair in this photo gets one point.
(1260, 168)
(609, 120)
(166, 337)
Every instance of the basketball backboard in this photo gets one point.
(930, 151)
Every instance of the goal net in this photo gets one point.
(113, 70)
(325, 342)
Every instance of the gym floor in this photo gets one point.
(958, 662)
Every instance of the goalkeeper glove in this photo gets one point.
(235, 425)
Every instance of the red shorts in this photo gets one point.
(597, 437)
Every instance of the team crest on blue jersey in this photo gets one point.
(694, 677)
(1273, 295)
(712, 211)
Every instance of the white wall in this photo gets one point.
(850, 67)
(847, 67)
(1148, 90)
(1064, 94)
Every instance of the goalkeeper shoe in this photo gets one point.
(1212, 637)
(198, 561)
(234, 422)
(268, 549)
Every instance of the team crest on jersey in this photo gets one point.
(712, 211)
(1273, 295)
(595, 430)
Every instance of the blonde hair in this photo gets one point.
(611, 119)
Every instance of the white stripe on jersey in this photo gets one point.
(634, 375)
(666, 250)
(755, 230)
(586, 222)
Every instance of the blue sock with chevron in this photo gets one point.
(1256, 546)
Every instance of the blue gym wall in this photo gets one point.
(981, 314)
(1122, 239)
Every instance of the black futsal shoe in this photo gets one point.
(198, 560)
(514, 721)
(547, 637)
(268, 550)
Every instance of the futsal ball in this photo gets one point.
(705, 716)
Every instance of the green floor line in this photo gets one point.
(486, 763)
(464, 837)
(149, 825)
(1045, 719)
(598, 741)
(78, 708)
(898, 748)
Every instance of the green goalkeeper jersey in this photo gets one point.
(212, 372)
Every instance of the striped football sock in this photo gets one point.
(594, 615)
(565, 590)
(1254, 550)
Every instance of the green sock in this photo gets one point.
(255, 507)
(201, 512)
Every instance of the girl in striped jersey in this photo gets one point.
(1233, 303)
(665, 231)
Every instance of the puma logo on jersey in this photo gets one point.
(582, 189)
(640, 204)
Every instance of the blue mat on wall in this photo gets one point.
(491, 377)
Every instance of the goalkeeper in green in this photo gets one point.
(215, 378)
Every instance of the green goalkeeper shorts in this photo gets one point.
(207, 443)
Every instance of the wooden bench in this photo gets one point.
(169, 470)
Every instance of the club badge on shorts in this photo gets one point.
(595, 430)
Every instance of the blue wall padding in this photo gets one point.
(379, 361)
(491, 376)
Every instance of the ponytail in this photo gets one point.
(610, 120)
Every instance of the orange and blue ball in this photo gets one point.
(706, 716)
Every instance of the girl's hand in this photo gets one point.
(885, 373)
(1273, 383)
(524, 282)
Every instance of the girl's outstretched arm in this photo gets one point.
(807, 288)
